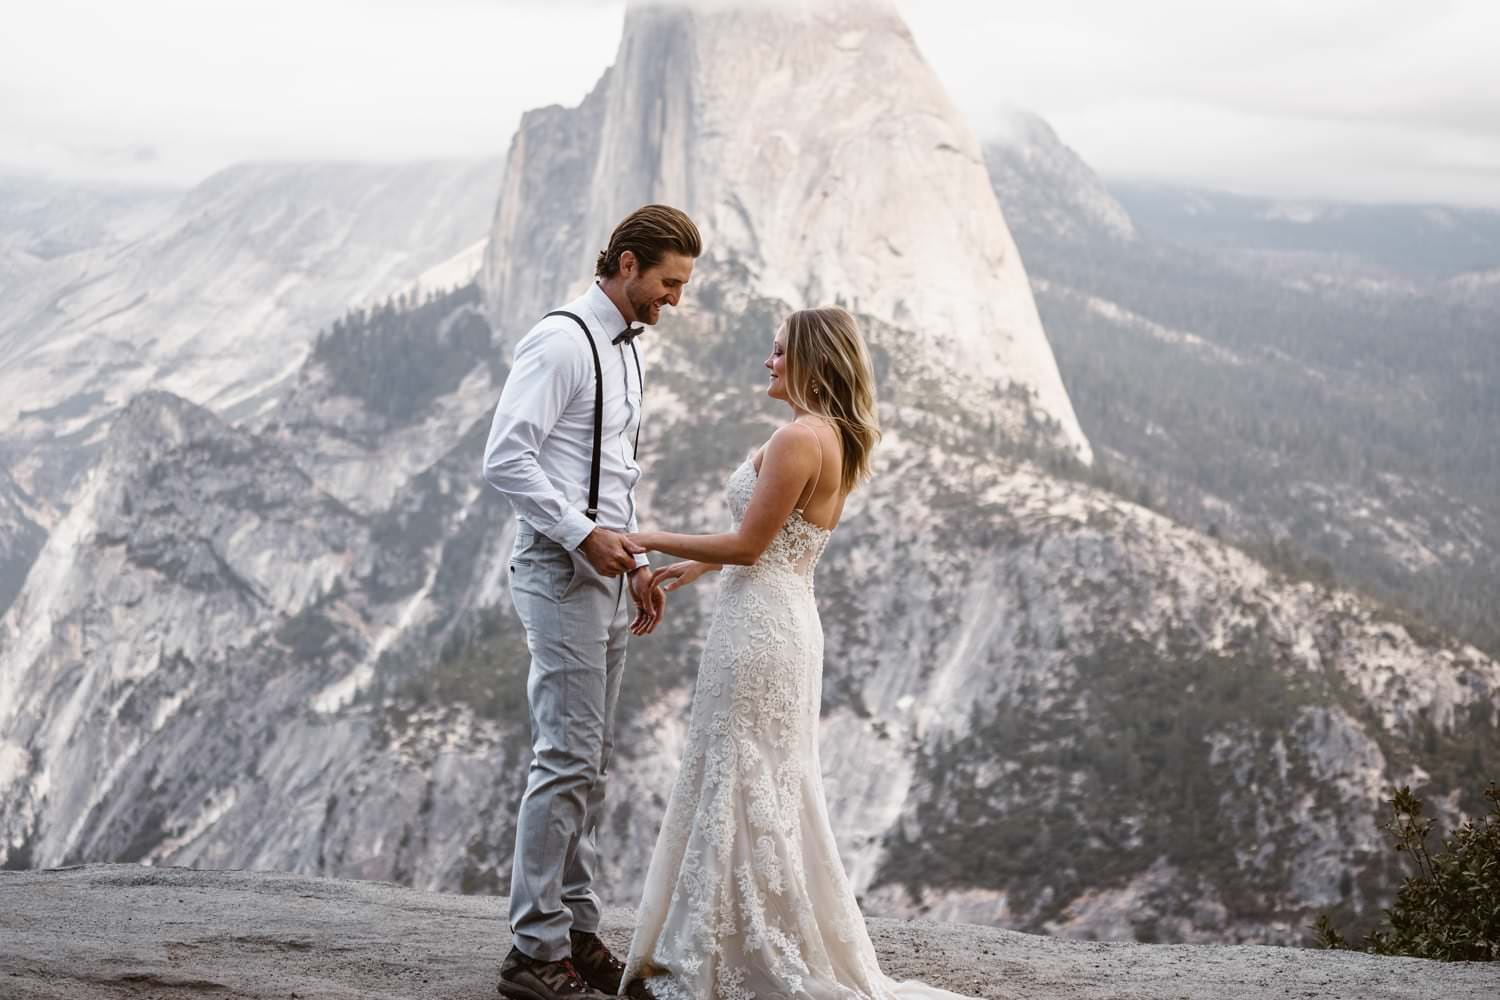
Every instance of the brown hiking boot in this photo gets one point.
(638, 990)
(592, 959)
(525, 978)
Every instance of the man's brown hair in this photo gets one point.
(649, 233)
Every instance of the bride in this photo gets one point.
(746, 896)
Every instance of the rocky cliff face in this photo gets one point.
(21, 538)
(763, 123)
(1045, 707)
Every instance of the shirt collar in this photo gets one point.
(605, 311)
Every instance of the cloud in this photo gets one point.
(210, 84)
(1374, 100)
(114, 157)
(1363, 98)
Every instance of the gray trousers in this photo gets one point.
(577, 623)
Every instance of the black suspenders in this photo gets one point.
(593, 509)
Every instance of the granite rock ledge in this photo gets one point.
(108, 931)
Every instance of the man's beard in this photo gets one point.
(641, 307)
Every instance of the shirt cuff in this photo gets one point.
(571, 529)
(641, 559)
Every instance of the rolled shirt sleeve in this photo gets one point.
(549, 368)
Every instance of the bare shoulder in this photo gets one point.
(791, 449)
(794, 442)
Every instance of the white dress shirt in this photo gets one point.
(541, 443)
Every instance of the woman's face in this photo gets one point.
(776, 364)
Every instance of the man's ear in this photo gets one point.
(628, 263)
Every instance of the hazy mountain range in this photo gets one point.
(269, 625)
(213, 293)
(1316, 382)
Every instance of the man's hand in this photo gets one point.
(610, 552)
(650, 602)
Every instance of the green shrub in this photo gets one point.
(1449, 910)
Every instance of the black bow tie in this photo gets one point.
(628, 334)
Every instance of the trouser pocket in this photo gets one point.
(541, 567)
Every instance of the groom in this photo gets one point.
(562, 448)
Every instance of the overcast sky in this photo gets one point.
(1370, 100)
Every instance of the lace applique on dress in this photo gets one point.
(796, 548)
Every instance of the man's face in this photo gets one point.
(661, 285)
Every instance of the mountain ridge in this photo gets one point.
(784, 210)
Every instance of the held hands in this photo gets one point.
(610, 552)
(649, 587)
(613, 553)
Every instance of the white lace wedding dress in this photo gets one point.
(746, 896)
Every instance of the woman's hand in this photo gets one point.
(680, 574)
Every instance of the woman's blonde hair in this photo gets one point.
(828, 372)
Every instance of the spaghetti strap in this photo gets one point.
(812, 490)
